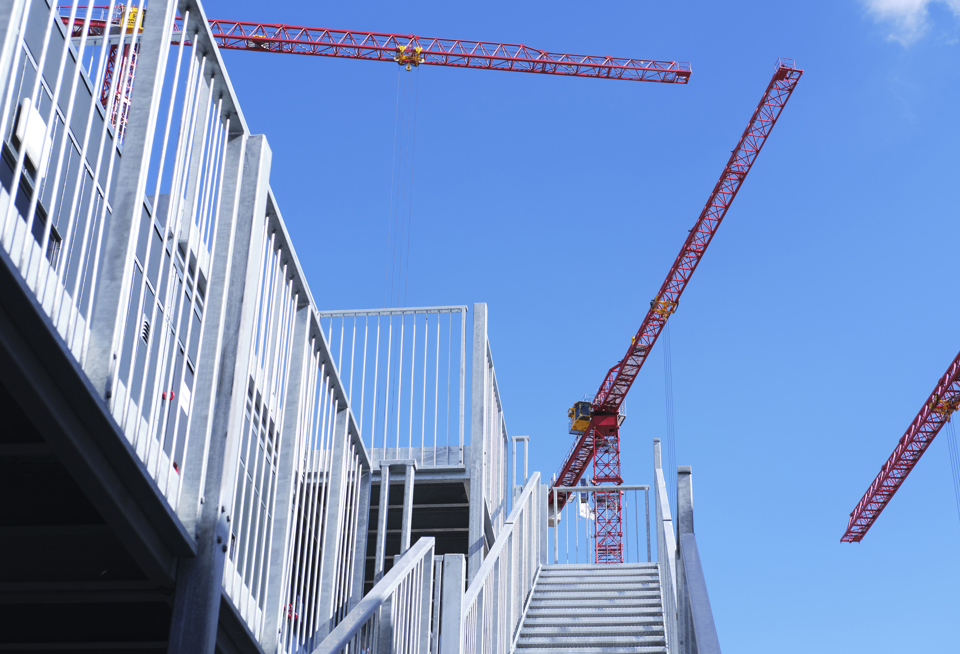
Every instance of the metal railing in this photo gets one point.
(404, 371)
(666, 551)
(169, 273)
(688, 617)
(580, 510)
(495, 603)
(394, 617)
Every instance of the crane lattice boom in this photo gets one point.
(415, 50)
(407, 49)
(933, 415)
(620, 377)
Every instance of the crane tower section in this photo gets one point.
(598, 439)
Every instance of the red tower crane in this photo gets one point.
(407, 50)
(933, 415)
(596, 424)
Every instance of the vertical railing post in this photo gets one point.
(646, 504)
(684, 526)
(382, 510)
(333, 522)
(11, 13)
(478, 429)
(116, 263)
(666, 552)
(426, 600)
(363, 532)
(407, 524)
(196, 603)
(451, 610)
(283, 522)
(544, 526)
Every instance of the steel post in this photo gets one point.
(407, 524)
(196, 603)
(383, 508)
(478, 429)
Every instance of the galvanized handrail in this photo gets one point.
(699, 629)
(688, 618)
(574, 512)
(395, 615)
(666, 552)
(493, 605)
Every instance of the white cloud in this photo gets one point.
(908, 19)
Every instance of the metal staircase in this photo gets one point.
(589, 609)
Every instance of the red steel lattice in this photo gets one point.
(415, 50)
(620, 377)
(933, 415)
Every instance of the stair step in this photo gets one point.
(598, 621)
(572, 649)
(603, 574)
(585, 587)
(596, 566)
(615, 641)
(653, 617)
(597, 594)
(572, 582)
(579, 602)
(648, 631)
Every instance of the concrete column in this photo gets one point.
(283, 521)
(382, 510)
(116, 262)
(478, 430)
(451, 603)
(196, 605)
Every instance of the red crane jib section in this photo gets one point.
(415, 50)
(620, 377)
(933, 415)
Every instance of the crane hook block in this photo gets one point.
(409, 55)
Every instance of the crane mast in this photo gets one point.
(597, 425)
(933, 415)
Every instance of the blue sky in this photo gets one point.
(818, 322)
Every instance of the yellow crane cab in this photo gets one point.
(579, 415)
